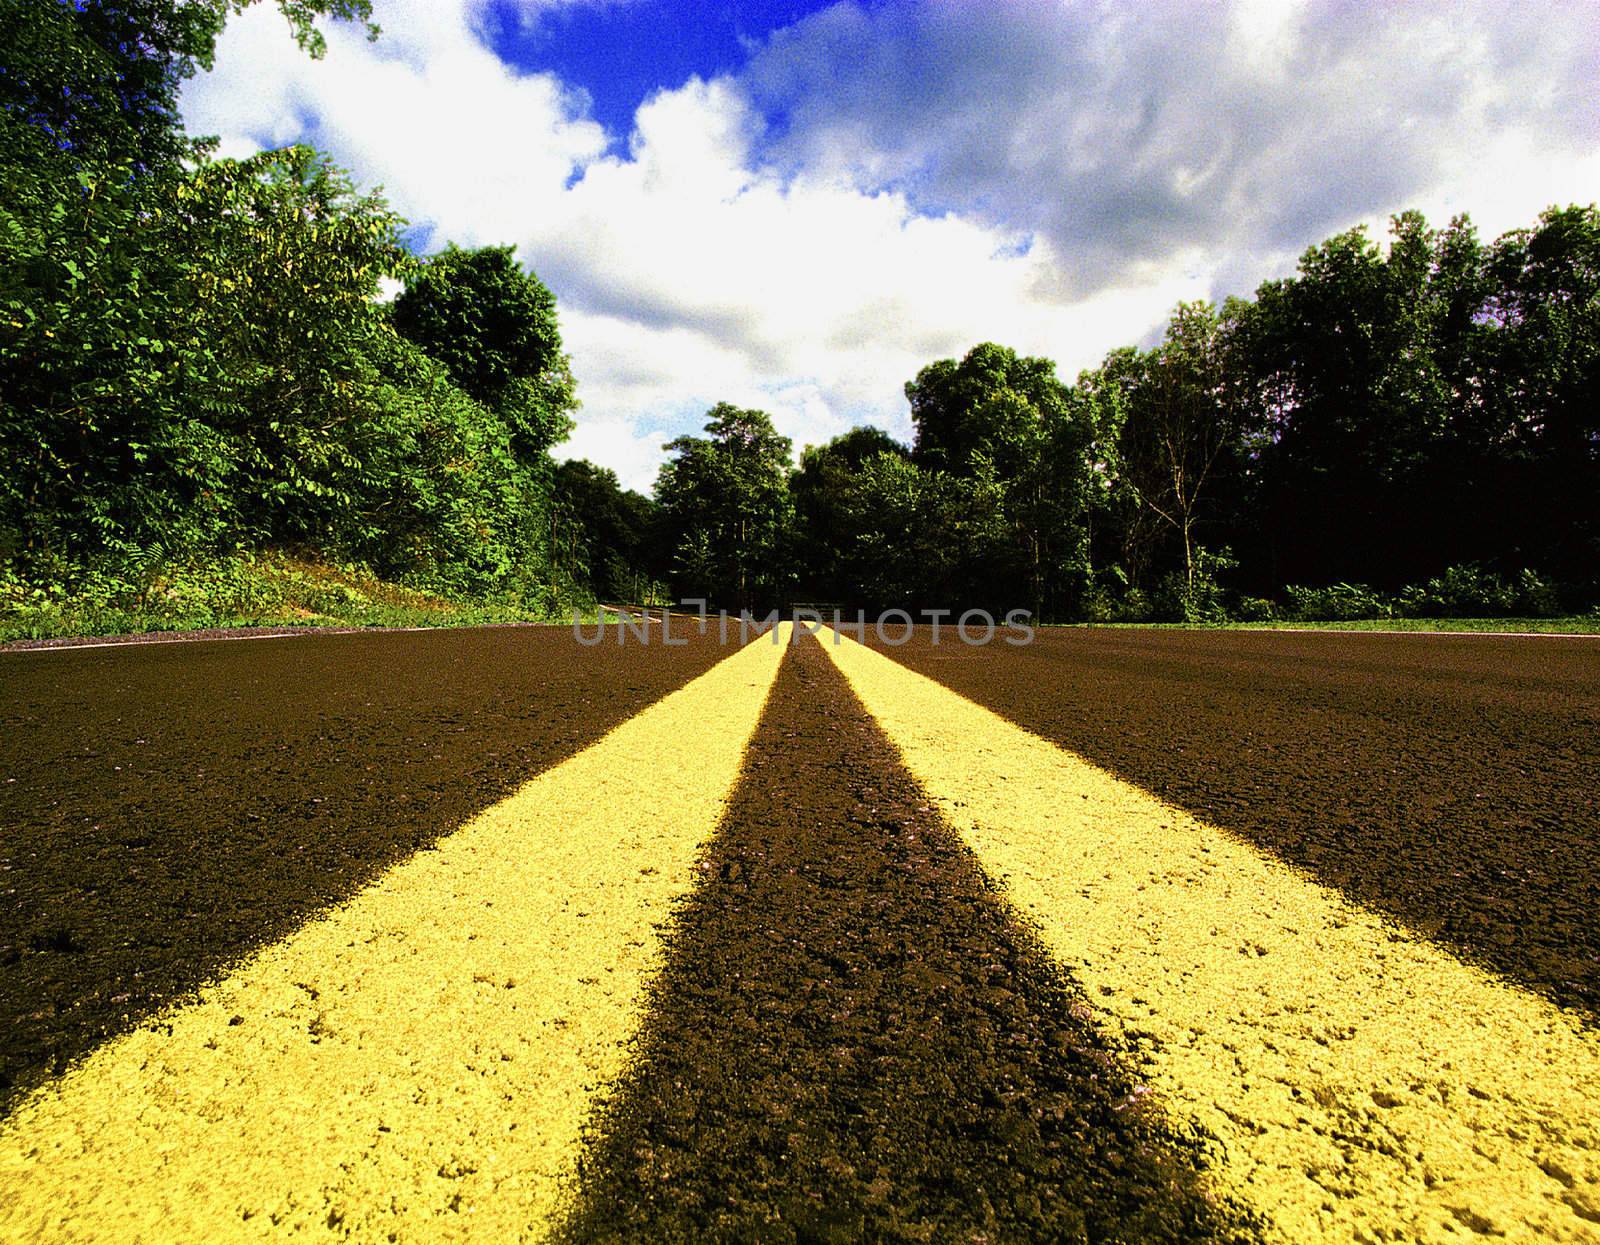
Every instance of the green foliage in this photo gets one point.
(1475, 591)
(1337, 603)
(825, 490)
(606, 535)
(1005, 423)
(193, 361)
(725, 498)
(1176, 427)
(1194, 594)
(494, 328)
(1369, 418)
(243, 590)
(1254, 609)
(881, 529)
(1401, 397)
(990, 406)
(1467, 591)
(921, 536)
(94, 83)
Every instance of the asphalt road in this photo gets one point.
(1450, 781)
(1154, 935)
(167, 808)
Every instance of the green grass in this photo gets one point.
(268, 590)
(1586, 624)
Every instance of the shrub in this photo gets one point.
(1473, 590)
(1337, 603)
(1462, 591)
(1255, 609)
(1537, 597)
(1198, 598)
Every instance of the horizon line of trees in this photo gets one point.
(1410, 428)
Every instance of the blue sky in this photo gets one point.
(796, 206)
(621, 54)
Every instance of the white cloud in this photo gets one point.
(1125, 132)
(1054, 179)
(456, 137)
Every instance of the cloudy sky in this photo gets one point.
(796, 205)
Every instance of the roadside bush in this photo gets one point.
(1472, 590)
(1462, 591)
(1112, 598)
(1135, 607)
(247, 589)
(1337, 603)
(1098, 607)
(1537, 597)
(1255, 609)
(1467, 591)
(1197, 598)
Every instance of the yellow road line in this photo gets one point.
(419, 1061)
(1364, 1085)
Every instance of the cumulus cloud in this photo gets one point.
(815, 299)
(882, 187)
(461, 141)
(1124, 132)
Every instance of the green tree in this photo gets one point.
(989, 406)
(1356, 370)
(1177, 426)
(187, 357)
(1541, 387)
(193, 359)
(96, 81)
(1007, 421)
(606, 533)
(197, 363)
(495, 329)
(823, 489)
(725, 499)
(1123, 533)
(921, 537)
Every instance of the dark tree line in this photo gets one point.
(1411, 427)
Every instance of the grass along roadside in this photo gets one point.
(256, 590)
(1576, 624)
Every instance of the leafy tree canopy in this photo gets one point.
(608, 533)
(993, 405)
(494, 328)
(97, 81)
(726, 495)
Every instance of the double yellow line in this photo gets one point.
(421, 1061)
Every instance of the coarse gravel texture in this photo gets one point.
(165, 809)
(1450, 781)
(852, 1039)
